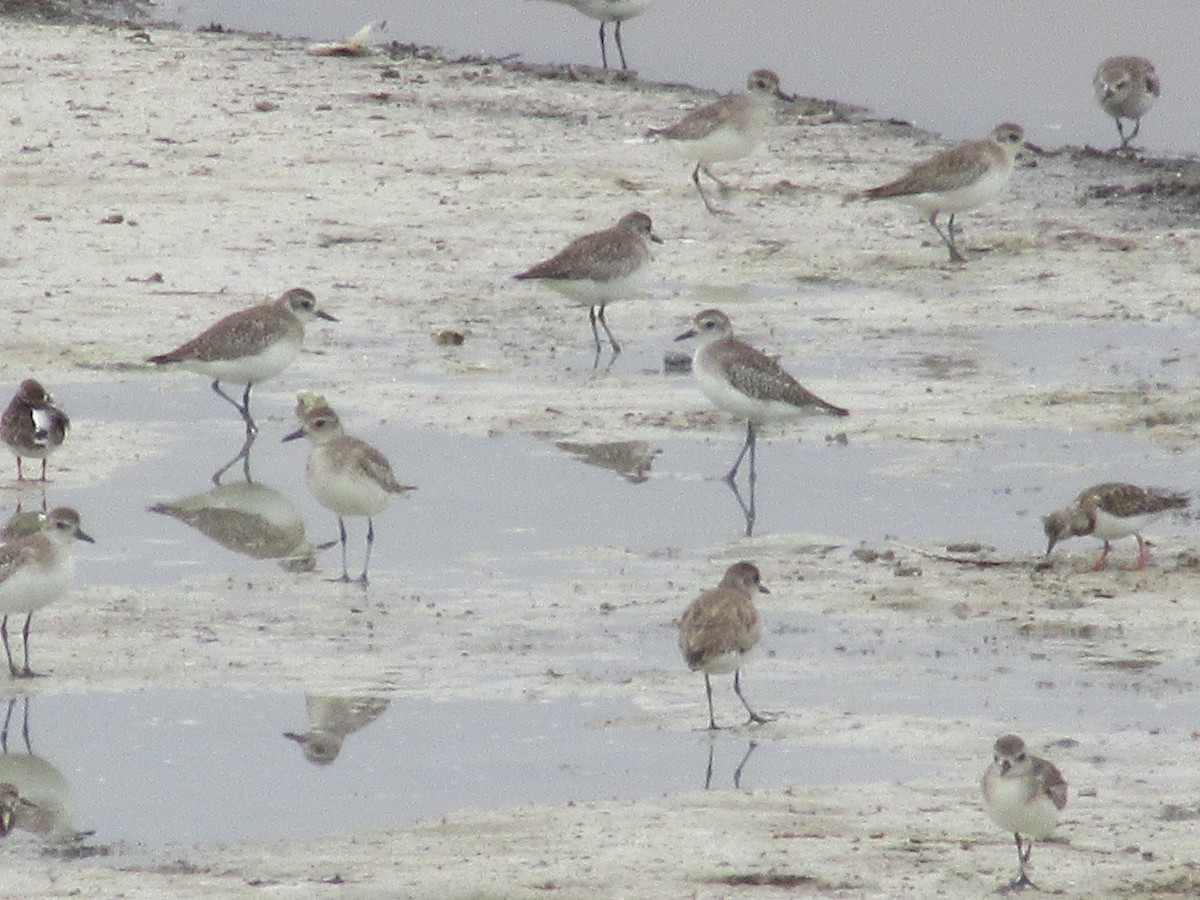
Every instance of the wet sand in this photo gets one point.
(154, 185)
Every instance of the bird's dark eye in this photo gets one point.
(1021, 757)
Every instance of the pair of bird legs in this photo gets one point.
(12, 703)
(24, 672)
(755, 718)
(1022, 880)
(620, 49)
(362, 579)
(737, 773)
(1125, 139)
(947, 237)
(748, 509)
(596, 314)
(1143, 555)
(700, 167)
(21, 475)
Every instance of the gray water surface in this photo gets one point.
(958, 68)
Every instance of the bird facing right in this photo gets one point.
(1126, 87)
(746, 382)
(32, 425)
(720, 628)
(728, 128)
(1023, 794)
(956, 180)
(599, 268)
(36, 570)
(348, 476)
(248, 346)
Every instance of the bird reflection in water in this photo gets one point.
(331, 720)
(243, 456)
(737, 773)
(23, 523)
(248, 518)
(632, 460)
(34, 795)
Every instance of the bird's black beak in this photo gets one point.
(690, 333)
(298, 433)
(321, 314)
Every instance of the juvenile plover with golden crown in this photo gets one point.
(348, 476)
(36, 570)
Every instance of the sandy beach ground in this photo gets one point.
(156, 180)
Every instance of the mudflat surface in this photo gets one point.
(155, 184)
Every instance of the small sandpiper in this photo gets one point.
(615, 11)
(36, 570)
(956, 180)
(720, 628)
(600, 268)
(32, 425)
(728, 128)
(1023, 794)
(746, 382)
(249, 346)
(1109, 511)
(1126, 87)
(347, 476)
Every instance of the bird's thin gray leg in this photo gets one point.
(370, 543)
(757, 718)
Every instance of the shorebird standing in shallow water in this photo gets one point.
(720, 628)
(1126, 87)
(36, 570)
(249, 346)
(728, 128)
(746, 382)
(348, 476)
(1109, 511)
(1023, 794)
(957, 180)
(615, 11)
(32, 425)
(600, 268)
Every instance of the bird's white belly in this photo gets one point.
(248, 369)
(30, 589)
(1010, 810)
(586, 292)
(344, 492)
(961, 199)
(723, 143)
(609, 10)
(1110, 527)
